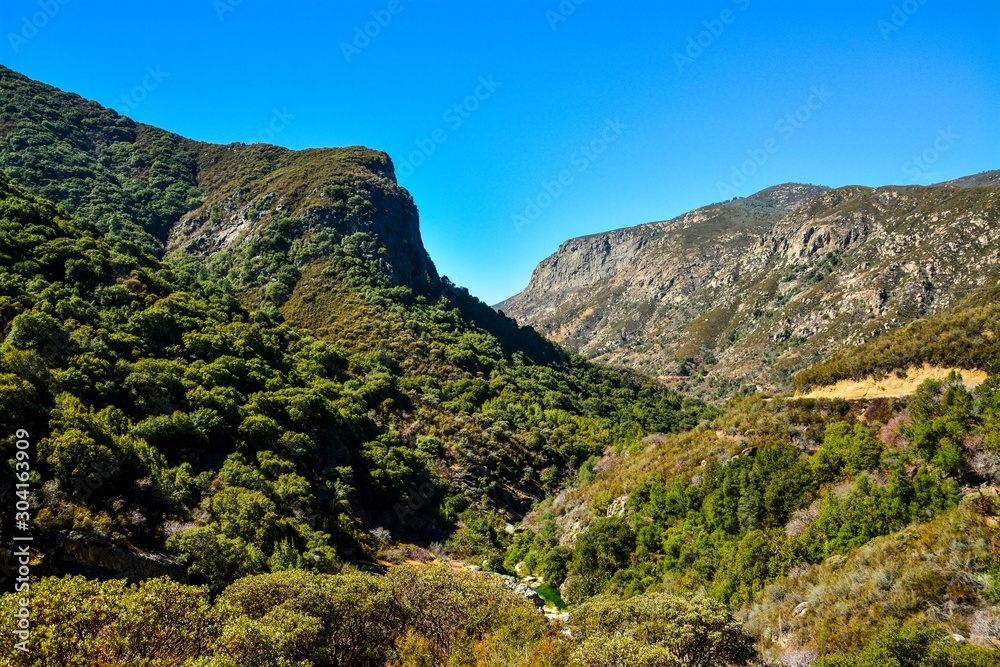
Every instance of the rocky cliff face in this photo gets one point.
(342, 190)
(577, 264)
(588, 260)
(757, 288)
(166, 192)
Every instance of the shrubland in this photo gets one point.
(168, 413)
(239, 360)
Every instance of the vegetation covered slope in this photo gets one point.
(409, 618)
(160, 190)
(184, 403)
(712, 302)
(290, 389)
(962, 336)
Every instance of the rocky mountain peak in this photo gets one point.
(754, 289)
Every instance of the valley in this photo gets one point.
(764, 432)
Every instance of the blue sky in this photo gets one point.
(571, 118)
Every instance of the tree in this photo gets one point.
(247, 514)
(78, 621)
(355, 615)
(602, 550)
(216, 558)
(481, 533)
(556, 565)
(38, 331)
(846, 450)
(450, 609)
(695, 631)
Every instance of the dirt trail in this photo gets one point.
(893, 385)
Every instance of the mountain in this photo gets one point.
(167, 192)
(747, 292)
(585, 261)
(831, 524)
(234, 359)
(237, 381)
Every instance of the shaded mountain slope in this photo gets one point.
(288, 384)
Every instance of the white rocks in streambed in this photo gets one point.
(521, 589)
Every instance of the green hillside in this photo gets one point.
(280, 395)
(261, 429)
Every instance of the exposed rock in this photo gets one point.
(521, 589)
(754, 289)
(80, 554)
(617, 506)
(557, 616)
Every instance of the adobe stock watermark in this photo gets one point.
(562, 13)
(917, 166)
(697, 44)
(580, 160)
(455, 116)
(133, 98)
(786, 126)
(372, 29)
(22, 536)
(30, 25)
(901, 13)
(279, 121)
(223, 7)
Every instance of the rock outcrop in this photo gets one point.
(521, 589)
(749, 291)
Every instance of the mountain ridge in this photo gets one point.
(741, 285)
(182, 193)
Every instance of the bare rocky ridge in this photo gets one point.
(986, 178)
(757, 288)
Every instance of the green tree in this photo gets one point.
(603, 549)
(696, 631)
(34, 330)
(556, 565)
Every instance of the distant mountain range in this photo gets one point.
(747, 292)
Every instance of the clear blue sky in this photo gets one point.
(895, 80)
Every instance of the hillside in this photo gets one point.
(826, 523)
(268, 372)
(164, 191)
(961, 336)
(257, 428)
(748, 292)
(834, 526)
